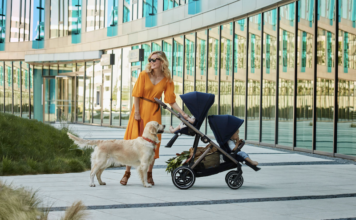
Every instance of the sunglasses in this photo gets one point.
(153, 60)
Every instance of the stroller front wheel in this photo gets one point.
(183, 177)
(234, 180)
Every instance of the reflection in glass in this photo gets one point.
(213, 70)
(346, 123)
(106, 92)
(126, 87)
(178, 73)
(147, 52)
(325, 77)
(240, 71)
(304, 108)
(49, 100)
(8, 87)
(25, 81)
(16, 88)
(189, 65)
(269, 76)
(254, 77)
(80, 91)
(98, 93)
(200, 78)
(116, 91)
(227, 33)
(88, 92)
(59, 18)
(95, 14)
(167, 49)
(286, 75)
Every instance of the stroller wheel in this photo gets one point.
(183, 177)
(234, 180)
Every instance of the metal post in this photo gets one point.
(261, 78)
(315, 73)
(295, 74)
(219, 66)
(277, 79)
(195, 60)
(207, 73)
(233, 68)
(20, 88)
(336, 81)
(246, 82)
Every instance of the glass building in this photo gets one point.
(288, 69)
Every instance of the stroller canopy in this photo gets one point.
(198, 104)
(224, 126)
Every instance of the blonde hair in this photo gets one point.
(164, 64)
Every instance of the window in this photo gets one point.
(59, 18)
(20, 20)
(95, 14)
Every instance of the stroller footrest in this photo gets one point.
(171, 142)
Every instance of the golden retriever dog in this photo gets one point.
(138, 152)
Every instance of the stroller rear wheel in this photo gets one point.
(234, 180)
(183, 177)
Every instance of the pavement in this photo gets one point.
(290, 185)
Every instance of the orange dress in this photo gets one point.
(144, 88)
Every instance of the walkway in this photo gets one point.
(291, 185)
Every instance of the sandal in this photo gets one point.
(127, 175)
(150, 179)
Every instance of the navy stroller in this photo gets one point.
(223, 127)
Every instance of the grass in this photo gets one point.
(32, 147)
(353, 125)
(24, 204)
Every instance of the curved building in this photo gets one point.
(287, 67)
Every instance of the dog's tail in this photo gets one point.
(83, 143)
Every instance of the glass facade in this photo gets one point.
(254, 78)
(346, 96)
(240, 65)
(325, 77)
(287, 71)
(269, 73)
(213, 70)
(305, 75)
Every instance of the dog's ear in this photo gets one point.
(153, 130)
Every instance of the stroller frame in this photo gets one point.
(203, 137)
(233, 179)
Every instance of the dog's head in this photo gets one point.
(154, 128)
(151, 130)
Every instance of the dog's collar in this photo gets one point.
(149, 140)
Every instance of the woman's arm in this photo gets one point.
(137, 108)
(176, 107)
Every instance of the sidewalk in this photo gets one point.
(291, 185)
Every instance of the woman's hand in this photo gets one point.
(137, 116)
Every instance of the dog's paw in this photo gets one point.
(92, 185)
(102, 183)
(148, 185)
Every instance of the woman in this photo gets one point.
(151, 83)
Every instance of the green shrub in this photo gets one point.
(32, 147)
